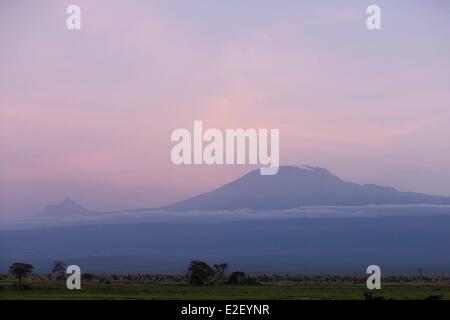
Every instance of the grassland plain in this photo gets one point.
(42, 291)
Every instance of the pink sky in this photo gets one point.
(88, 114)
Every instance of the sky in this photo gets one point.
(88, 114)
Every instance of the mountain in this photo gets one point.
(66, 208)
(299, 186)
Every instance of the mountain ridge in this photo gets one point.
(291, 187)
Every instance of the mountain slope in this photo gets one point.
(297, 186)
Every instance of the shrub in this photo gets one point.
(241, 278)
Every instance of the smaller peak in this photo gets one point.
(65, 208)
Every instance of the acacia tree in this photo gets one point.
(220, 271)
(59, 269)
(20, 270)
(199, 273)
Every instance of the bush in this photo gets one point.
(240, 278)
(199, 273)
(88, 276)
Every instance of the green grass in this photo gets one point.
(218, 292)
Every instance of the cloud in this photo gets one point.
(307, 212)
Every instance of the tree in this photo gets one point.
(20, 270)
(199, 273)
(220, 271)
(220, 268)
(59, 269)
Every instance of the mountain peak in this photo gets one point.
(68, 201)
